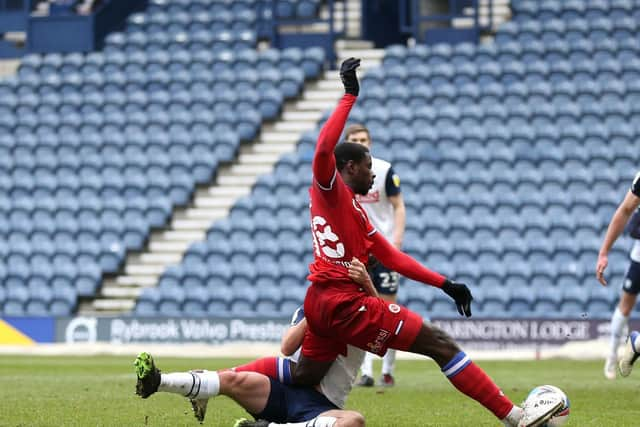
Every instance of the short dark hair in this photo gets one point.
(355, 128)
(346, 151)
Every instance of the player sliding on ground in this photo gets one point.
(268, 395)
(339, 313)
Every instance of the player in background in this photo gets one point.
(338, 313)
(631, 285)
(631, 353)
(267, 394)
(385, 207)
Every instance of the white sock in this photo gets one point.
(389, 362)
(513, 417)
(194, 385)
(636, 343)
(316, 422)
(618, 324)
(367, 365)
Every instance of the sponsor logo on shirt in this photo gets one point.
(378, 343)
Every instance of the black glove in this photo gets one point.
(460, 294)
(348, 76)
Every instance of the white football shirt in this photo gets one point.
(338, 381)
(376, 202)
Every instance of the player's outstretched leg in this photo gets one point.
(631, 354)
(148, 376)
(197, 386)
(471, 380)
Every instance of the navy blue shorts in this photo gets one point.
(385, 280)
(289, 404)
(631, 283)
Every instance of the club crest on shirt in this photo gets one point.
(394, 308)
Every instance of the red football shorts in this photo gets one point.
(339, 314)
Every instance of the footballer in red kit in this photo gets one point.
(341, 231)
(340, 312)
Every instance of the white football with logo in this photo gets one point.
(562, 416)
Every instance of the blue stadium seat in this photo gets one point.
(196, 301)
(170, 300)
(147, 302)
(269, 297)
(87, 276)
(561, 75)
(63, 301)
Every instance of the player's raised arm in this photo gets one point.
(397, 260)
(324, 163)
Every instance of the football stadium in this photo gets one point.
(240, 212)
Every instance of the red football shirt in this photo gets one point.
(340, 227)
(341, 231)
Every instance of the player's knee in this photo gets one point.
(445, 343)
(435, 343)
(358, 420)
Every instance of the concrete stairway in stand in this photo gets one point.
(167, 246)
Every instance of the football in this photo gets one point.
(563, 415)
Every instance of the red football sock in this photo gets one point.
(467, 377)
(276, 368)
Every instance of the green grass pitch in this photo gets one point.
(99, 391)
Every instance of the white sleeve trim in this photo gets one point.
(372, 232)
(330, 187)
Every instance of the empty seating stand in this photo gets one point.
(97, 149)
(513, 156)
